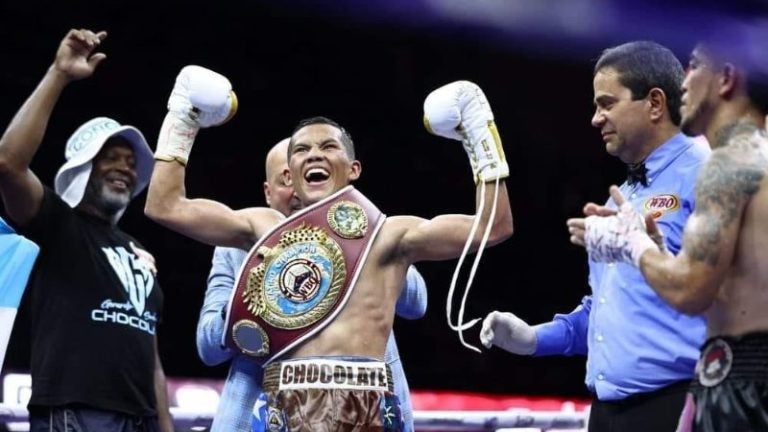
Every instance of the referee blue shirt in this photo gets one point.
(634, 341)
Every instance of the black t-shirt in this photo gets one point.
(94, 309)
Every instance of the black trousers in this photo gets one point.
(656, 411)
(81, 419)
(738, 406)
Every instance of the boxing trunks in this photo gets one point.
(325, 394)
(730, 389)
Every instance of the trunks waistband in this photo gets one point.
(328, 373)
(746, 356)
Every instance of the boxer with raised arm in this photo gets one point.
(243, 385)
(333, 378)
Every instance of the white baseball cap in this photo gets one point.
(83, 146)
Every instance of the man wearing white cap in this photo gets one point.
(93, 297)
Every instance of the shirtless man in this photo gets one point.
(720, 271)
(322, 164)
(243, 385)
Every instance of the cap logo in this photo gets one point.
(88, 134)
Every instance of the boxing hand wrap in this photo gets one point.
(175, 140)
(507, 331)
(661, 243)
(200, 98)
(618, 238)
(460, 111)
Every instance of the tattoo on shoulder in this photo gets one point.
(728, 180)
(727, 134)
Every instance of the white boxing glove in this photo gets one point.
(508, 332)
(460, 111)
(200, 98)
(618, 238)
(203, 97)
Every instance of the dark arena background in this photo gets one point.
(367, 64)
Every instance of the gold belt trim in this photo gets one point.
(322, 373)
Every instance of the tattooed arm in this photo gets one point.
(726, 184)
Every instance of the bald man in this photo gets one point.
(243, 385)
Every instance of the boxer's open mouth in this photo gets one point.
(316, 175)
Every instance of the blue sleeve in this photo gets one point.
(566, 334)
(210, 327)
(17, 256)
(412, 303)
(238, 397)
(392, 357)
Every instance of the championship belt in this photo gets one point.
(299, 276)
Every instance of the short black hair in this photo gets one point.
(346, 138)
(744, 46)
(643, 66)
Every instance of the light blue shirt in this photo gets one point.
(243, 384)
(634, 341)
(17, 256)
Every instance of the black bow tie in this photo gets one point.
(636, 173)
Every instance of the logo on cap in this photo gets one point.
(89, 133)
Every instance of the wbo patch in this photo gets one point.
(297, 284)
(659, 204)
(715, 363)
(299, 280)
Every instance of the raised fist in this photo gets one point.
(460, 111)
(200, 98)
(203, 97)
(75, 56)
